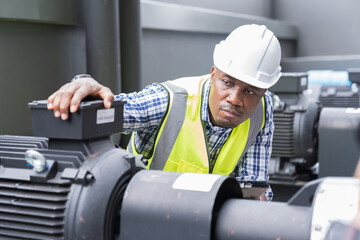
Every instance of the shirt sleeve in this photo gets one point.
(254, 166)
(144, 109)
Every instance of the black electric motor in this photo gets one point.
(68, 185)
(310, 137)
(295, 139)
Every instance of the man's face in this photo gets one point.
(231, 101)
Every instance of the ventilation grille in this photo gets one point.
(339, 96)
(283, 139)
(340, 102)
(24, 142)
(32, 211)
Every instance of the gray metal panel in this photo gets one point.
(250, 7)
(326, 27)
(54, 11)
(167, 16)
(179, 40)
(303, 64)
(167, 55)
(288, 48)
(35, 60)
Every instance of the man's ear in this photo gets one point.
(213, 72)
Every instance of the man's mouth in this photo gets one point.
(231, 113)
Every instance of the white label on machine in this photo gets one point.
(195, 182)
(105, 115)
(303, 81)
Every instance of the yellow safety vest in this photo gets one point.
(181, 144)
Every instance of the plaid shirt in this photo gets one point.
(145, 109)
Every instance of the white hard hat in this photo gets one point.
(251, 53)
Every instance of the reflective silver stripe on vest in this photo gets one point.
(172, 127)
(129, 146)
(256, 120)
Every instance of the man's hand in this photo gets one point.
(71, 94)
(262, 197)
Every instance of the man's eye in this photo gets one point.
(227, 83)
(251, 92)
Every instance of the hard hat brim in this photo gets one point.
(251, 80)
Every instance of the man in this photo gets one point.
(219, 123)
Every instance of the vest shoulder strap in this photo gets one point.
(257, 120)
(179, 90)
(170, 129)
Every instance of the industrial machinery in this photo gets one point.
(335, 88)
(77, 185)
(313, 138)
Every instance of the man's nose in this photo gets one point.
(235, 98)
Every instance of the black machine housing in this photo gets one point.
(312, 138)
(295, 139)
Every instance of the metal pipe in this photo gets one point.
(255, 220)
(130, 37)
(101, 20)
